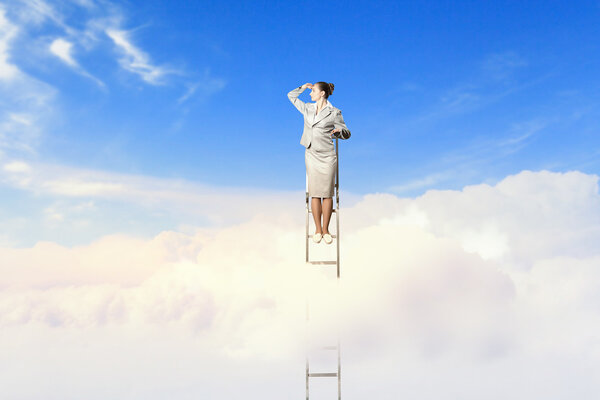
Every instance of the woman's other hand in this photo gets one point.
(336, 130)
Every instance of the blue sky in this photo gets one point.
(437, 95)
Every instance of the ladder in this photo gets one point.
(336, 262)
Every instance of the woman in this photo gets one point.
(322, 121)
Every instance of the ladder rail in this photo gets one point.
(337, 207)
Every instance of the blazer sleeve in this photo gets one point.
(293, 96)
(338, 123)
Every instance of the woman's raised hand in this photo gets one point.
(307, 85)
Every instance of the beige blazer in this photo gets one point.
(317, 128)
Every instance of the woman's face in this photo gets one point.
(316, 93)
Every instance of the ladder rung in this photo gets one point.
(329, 347)
(323, 374)
(323, 262)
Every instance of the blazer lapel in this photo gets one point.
(325, 111)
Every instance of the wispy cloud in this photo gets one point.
(496, 76)
(419, 183)
(188, 93)
(37, 11)
(488, 148)
(27, 109)
(217, 204)
(26, 99)
(105, 23)
(481, 152)
(207, 86)
(501, 66)
(135, 60)
(63, 50)
(492, 81)
(86, 3)
(7, 34)
(521, 135)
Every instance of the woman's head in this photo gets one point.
(321, 89)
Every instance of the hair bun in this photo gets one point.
(330, 88)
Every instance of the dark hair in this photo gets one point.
(326, 87)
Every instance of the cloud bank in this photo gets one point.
(491, 291)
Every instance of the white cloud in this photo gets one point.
(491, 289)
(135, 60)
(36, 11)
(86, 3)
(219, 205)
(17, 167)
(7, 33)
(105, 22)
(29, 110)
(62, 49)
(26, 99)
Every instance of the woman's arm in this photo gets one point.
(293, 96)
(341, 131)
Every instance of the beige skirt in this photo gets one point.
(320, 168)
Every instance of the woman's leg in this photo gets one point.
(327, 210)
(316, 212)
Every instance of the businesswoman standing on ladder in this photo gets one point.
(322, 122)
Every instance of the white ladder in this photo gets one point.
(335, 262)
